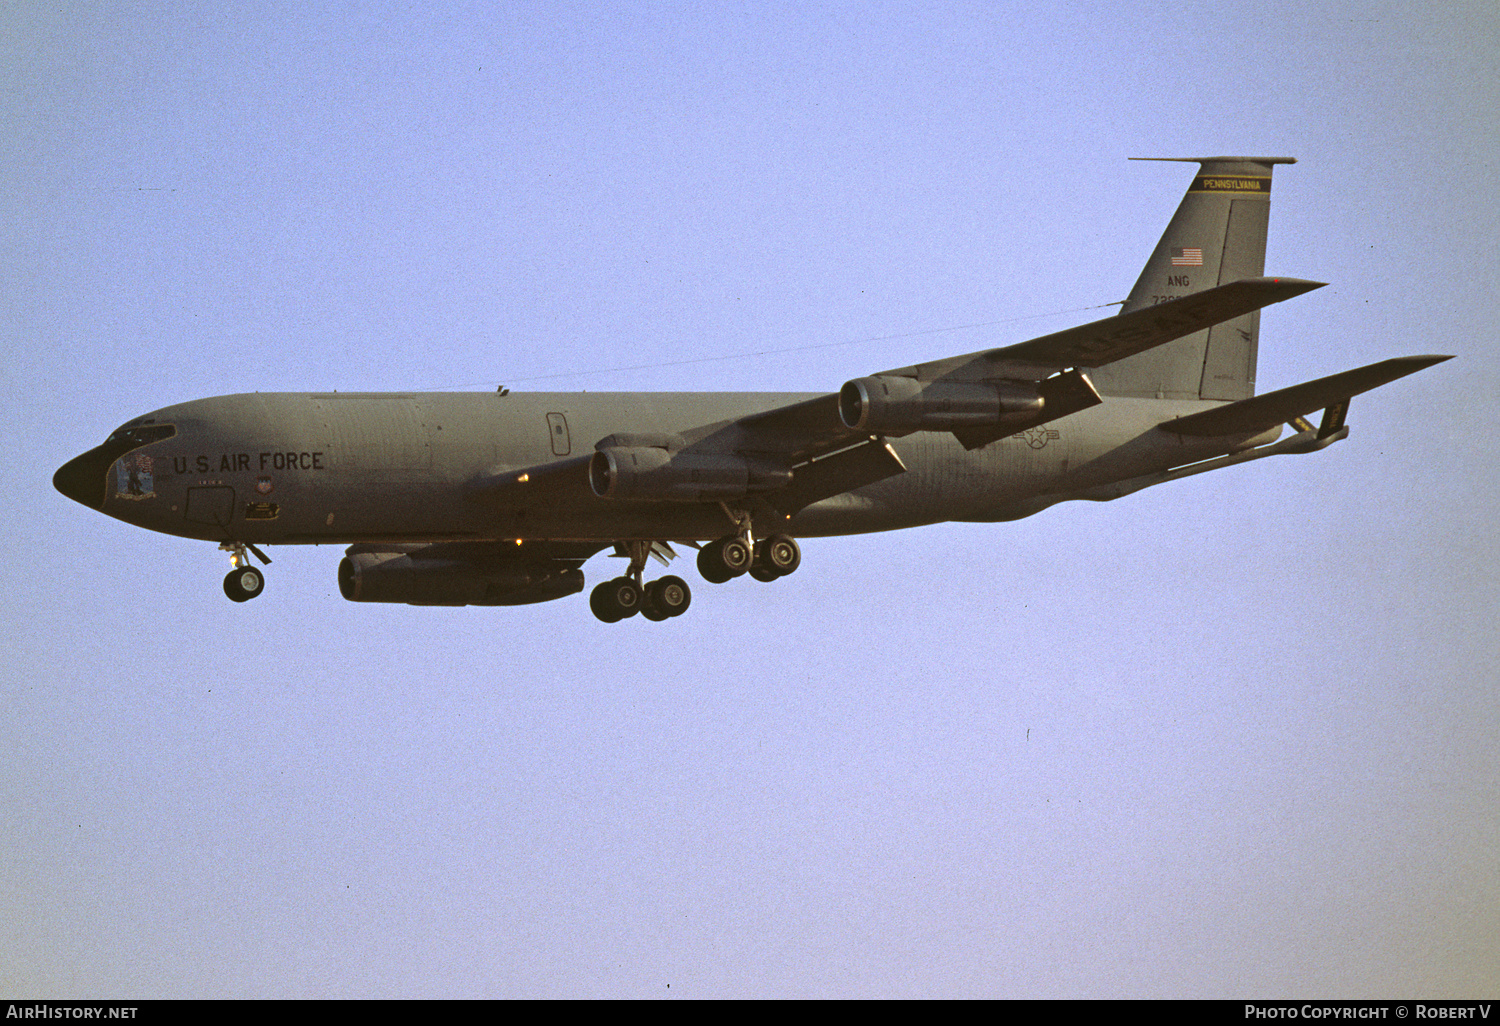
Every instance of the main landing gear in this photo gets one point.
(244, 582)
(719, 561)
(625, 596)
(765, 560)
(739, 553)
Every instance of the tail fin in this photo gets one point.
(1217, 236)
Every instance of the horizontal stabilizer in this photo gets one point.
(1223, 160)
(1249, 416)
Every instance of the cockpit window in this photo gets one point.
(83, 478)
(139, 435)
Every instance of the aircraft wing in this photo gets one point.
(807, 451)
(800, 431)
(813, 426)
(1262, 412)
(825, 456)
(1114, 338)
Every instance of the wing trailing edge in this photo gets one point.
(843, 471)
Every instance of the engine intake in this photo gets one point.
(899, 406)
(651, 473)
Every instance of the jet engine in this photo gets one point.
(653, 473)
(899, 406)
(406, 576)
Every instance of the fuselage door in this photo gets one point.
(210, 506)
(557, 427)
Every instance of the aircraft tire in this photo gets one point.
(670, 595)
(651, 607)
(764, 573)
(710, 566)
(602, 605)
(736, 556)
(619, 598)
(244, 583)
(724, 560)
(779, 553)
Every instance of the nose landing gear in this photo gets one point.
(244, 582)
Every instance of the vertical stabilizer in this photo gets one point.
(1217, 236)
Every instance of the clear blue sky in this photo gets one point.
(1233, 736)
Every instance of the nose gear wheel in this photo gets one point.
(244, 583)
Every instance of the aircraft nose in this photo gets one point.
(82, 478)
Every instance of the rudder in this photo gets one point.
(1217, 236)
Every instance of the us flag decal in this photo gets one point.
(1188, 257)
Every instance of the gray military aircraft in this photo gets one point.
(499, 498)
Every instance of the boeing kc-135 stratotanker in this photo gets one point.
(499, 498)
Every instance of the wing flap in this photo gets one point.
(1249, 416)
(838, 472)
(1062, 395)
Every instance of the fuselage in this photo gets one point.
(318, 468)
(438, 495)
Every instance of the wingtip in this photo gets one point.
(1296, 286)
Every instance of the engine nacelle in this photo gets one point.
(406, 577)
(899, 406)
(651, 473)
